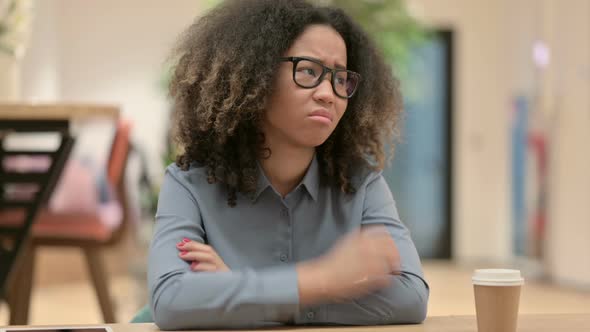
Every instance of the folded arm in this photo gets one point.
(405, 299)
(183, 299)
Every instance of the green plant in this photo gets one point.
(389, 23)
(15, 16)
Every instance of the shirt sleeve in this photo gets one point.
(183, 299)
(406, 298)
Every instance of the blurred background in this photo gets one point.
(491, 170)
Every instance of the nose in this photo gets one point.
(324, 92)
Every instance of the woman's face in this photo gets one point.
(301, 117)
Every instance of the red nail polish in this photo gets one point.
(182, 253)
(180, 244)
(185, 240)
(194, 264)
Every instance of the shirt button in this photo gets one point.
(310, 315)
(283, 258)
(284, 212)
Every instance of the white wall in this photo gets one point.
(39, 66)
(568, 100)
(107, 51)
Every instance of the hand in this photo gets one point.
(202, 257)
(358, 264)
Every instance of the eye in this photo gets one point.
(341, 78)
(307, 71)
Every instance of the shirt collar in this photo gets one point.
(262, 183)
(311, 180)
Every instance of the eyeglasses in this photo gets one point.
(309, 73)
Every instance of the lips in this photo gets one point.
(322, 113)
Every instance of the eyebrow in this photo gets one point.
(337, 65)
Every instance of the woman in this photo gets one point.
(275, 211)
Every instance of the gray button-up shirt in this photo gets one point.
(261, 240)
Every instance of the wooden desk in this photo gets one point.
(32, 118)
(33, 111)
(526, 323)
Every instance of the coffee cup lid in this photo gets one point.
(497, 277)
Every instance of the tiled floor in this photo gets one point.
(451, 294)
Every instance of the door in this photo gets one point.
(420, 174)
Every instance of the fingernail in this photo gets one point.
(182, 253)
(180, 244)
(194, 264)
(185, 240)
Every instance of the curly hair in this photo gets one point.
(225, 63)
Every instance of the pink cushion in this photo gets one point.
(77, 193)
(76, 190)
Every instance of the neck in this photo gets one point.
(286, 167)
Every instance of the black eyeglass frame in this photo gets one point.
(325, 70)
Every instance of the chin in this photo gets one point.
(314, 142)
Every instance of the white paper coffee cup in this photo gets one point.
(497, 294)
